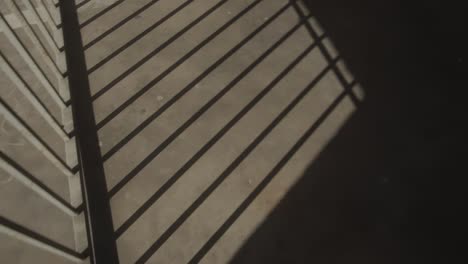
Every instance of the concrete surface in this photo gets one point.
(165, 181)
(188, 135)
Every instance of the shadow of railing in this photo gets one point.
(316, 44)
(374, 191)
(387, 188)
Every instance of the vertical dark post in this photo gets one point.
(101, 242)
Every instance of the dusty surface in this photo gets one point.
(208, 112)
(181, 174)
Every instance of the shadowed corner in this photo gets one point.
(389, 187)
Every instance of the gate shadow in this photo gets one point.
(389, 188)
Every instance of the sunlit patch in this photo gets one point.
(207, 114)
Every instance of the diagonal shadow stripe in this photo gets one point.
(118, 25)
(155, 51)
(36, 136)
(101, 13)
(97, 215)
(41, 240)
(82, 3)
(138, 37)
(325, 52)
(35, 180)
(33, 59)
(134, 172)
(268, 178)
(225, 174)
(50, 14)
(43, 23)
(35, 34)
(216, 137)
(186, 89)
(40, 102)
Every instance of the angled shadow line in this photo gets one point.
(138, 37)
(118, 25)
(264, 183)
(218, 181)
(133, 173)
(175, 98)
(33, 59)
(32, 92)
(173, 179)
(49, 14)
(39, 39)
(157, 50)
(44, 187)
(47, 29)
(325, 52)
(39, 238)
(35, 135)
(100, 13)
(82, 3)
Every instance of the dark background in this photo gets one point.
(390, 188)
